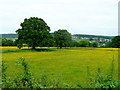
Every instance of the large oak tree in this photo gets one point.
(34, 32)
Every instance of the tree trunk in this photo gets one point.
(33, 48)
(60, 47)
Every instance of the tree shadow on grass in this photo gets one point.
(40, 50)
(28, 50)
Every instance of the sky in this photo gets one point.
(97, 17)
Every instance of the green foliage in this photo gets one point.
(102, 81)
(94, 44)
(34, 32)
(26, 72)
(4, 68)
(62, 38)
(108, 44)
(105, 81)
(74, 43)
(49, 42)
(6, 42)
(22, 80)
(116, 42)
(84, 43)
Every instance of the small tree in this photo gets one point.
(95, 44)
(34, 32)
(62, 38)
(84, 43)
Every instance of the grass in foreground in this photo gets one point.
(68, 66)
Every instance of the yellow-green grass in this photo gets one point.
(68, 65)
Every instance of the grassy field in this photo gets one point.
(67, 65)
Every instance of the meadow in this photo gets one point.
(68, 66)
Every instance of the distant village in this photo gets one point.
(101, 41)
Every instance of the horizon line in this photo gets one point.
(71, 34)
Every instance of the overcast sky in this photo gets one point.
(98, 17)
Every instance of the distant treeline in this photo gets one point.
(76, 35)
(73, 43)
(93, 36)
(7, 42)
(9, 35)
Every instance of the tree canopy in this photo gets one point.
(116, 42)
(34, 32)
(84, 43)
(62, 38)
(95, 44)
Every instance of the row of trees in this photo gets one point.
(51, 43)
